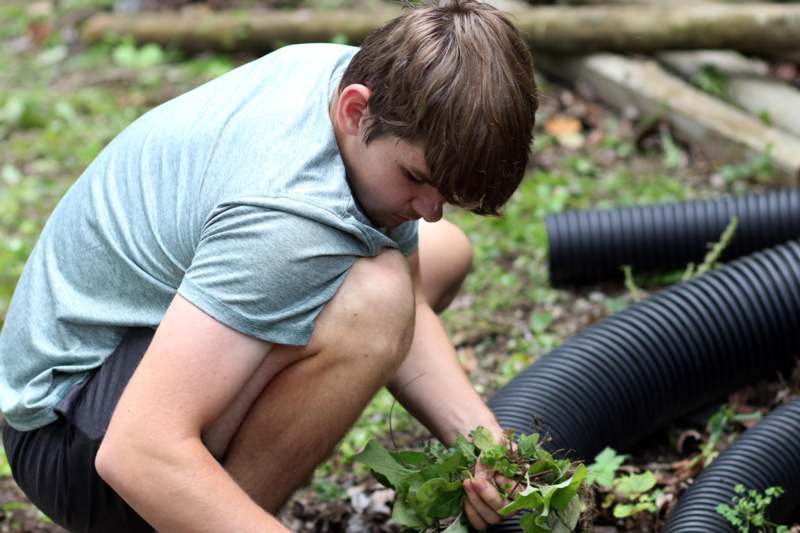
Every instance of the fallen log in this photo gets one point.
(743, 82)
(721, 131)
(629, 28)
(258, 30)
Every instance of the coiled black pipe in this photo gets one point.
(764, 456)
(622, 378)
(591, 245)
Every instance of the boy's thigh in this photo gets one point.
(54, 465)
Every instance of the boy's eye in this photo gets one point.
(413, 178)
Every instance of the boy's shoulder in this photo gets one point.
(314, 50)
(298, 55)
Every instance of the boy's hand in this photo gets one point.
(483, 499)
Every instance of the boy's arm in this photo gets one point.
(152, 454)
(433, 387)
(431, 383)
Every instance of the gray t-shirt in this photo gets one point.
(233, 195)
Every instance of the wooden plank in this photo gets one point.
(718, 128)
(743, 83)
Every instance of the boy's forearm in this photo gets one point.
(432, 385)
(187, 491)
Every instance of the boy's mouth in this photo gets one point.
(400, 219)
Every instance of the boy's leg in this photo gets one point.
(359, 340)
(298, 419)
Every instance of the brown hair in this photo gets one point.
(456, 76)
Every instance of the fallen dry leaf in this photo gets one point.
(562, 124)
(566, 130)
(39, 31)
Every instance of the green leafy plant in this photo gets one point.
(429, 482)
(629, 494)
(713, 81)
(635, 492)
(747, 511)
(604, 469)
(717, 425)
(128, 55)
(758, 168)
(672, 157)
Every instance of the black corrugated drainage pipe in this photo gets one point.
(591, 245)
(624, 377)
(763, 456)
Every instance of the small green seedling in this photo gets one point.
(630, 494)
(717, 425)
(747, 512)
(712, 80)
(635, 488)
(635, 292)
(604, 469)
(429, 483)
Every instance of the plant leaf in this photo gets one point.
(565, 496)
(528, 446)
(565, 521)
(379, 460)
(604, 468)
(530, 498)
(532, 523)
(483, 439)
(467, 449)
(549, 491)
(633, 485)
(438, 498)
(410, 458)
(404, 515)
(624, 510)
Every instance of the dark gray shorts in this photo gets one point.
(54, 465)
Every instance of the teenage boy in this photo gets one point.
(213, 303)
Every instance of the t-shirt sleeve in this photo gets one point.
(405, 235)
(267, 273)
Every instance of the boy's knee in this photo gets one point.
(373, 310)
(386, 299)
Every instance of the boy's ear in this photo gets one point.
(351, 108)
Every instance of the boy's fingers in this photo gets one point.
(473, 516)
(485, 499)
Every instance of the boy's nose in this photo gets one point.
(430, 208)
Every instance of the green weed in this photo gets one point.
(747, 511)
(713, 81)
(629, 494)
(715, 251)
(429, 482)
(758, 168)
(718, 426)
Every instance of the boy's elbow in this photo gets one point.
(110, 464)
(120, 460)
